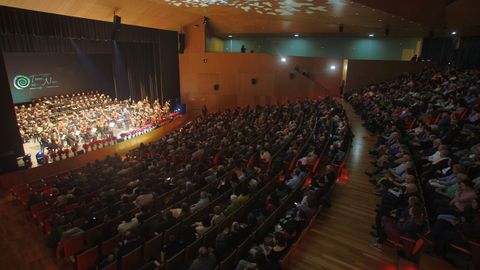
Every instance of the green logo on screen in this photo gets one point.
(20, 82)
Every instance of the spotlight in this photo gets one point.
(333, 67)
(283, 59)
(296, 35)
(454, 33)
(371, 35)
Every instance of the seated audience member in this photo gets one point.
(411, 227)
(126, 226)
(202, 202)
(277, 251)
(144, 199)
(217, 216)
(205, 261)
(202, 227)
(130, 242)
(295, 180)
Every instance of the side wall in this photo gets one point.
(363, 72)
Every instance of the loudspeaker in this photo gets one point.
(254, 81)
(387, 32)
(216, 87)
(117, 21)
(292, 76)
(181, 42)
(340, 28)
(8, 162)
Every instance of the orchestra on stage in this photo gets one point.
(72, 120)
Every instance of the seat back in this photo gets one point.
(176, 262)
(112, 266)
(229, 262)
(210, 237)
(152, 248)
(244, 248)
(108, 246)
(475, 249)
(93, 235)
(87, 259)
(175, 230)
(73, 245)
(132, 260)
(191, 251)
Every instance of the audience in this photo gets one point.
(428, 128)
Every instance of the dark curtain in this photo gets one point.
(468, 55)
(463, 53)
(144, 60)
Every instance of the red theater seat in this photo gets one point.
(132, 260)
(87, 259)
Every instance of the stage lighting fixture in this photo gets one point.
(296, 35)
(333, 67)
(283, 59)
(454, 33)
(371, 35)
(230, 36)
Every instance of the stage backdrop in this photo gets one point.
(35, 75)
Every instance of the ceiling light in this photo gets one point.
(296, 35)
(230, 36)
(454, 33)
(371, 35)
(283, 59)
(333, 67)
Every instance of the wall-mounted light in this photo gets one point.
(296, 35)
(333, 67)
(454, 33)
(283, 60)
(371, 35)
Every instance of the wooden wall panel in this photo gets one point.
(363, 72)
(234, 73)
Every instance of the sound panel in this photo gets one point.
(11, 144)
(117, 21)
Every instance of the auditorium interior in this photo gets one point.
(239, 135)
